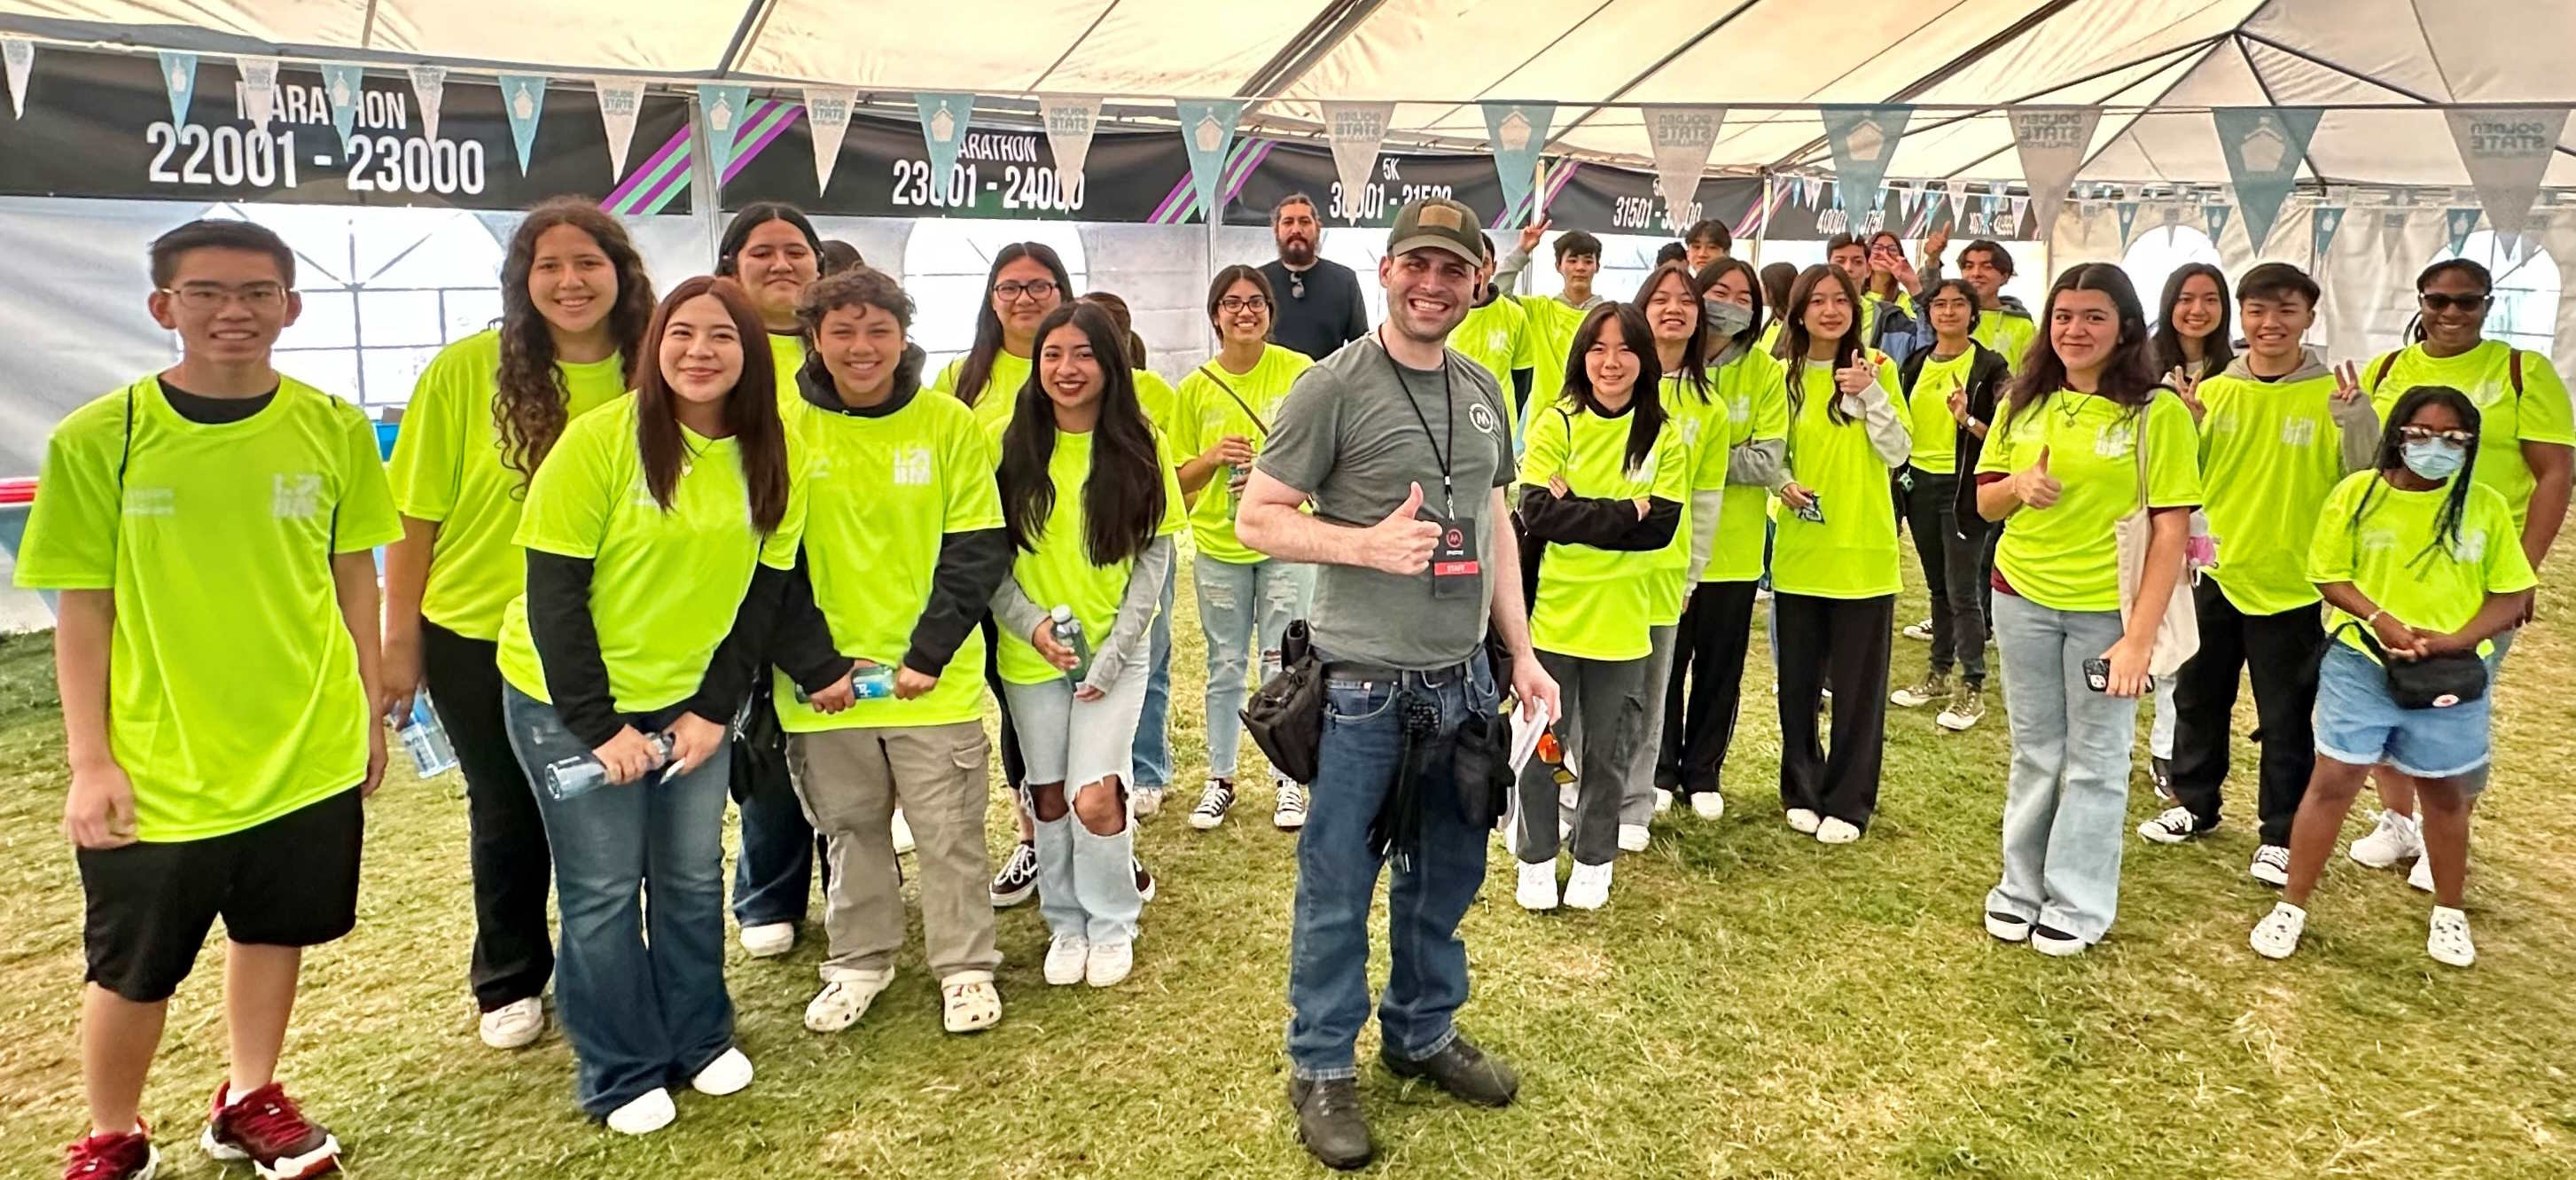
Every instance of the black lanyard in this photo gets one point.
(1449, 424)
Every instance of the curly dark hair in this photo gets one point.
(530, 399)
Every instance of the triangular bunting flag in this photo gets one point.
(16, 55)
(1207, 130)
(2459, 223)
(1517, 131)
(1957, 190)
(2322, 225)
(620, 101)
(2264, 148)
(725, 111)
(258, 89)
(429, 85)
(2052, 145)
(1069, 124)
(1864, 142)
(943, 130)
(344, 86)
(2213, 218)
(2506, 152)
(2014, 208)
(827, 123)
(179, 77)
(2128, 211)
(1355, 129)
(1815, 190)
(1681, 138)
(524, 97)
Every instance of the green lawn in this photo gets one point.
(1750, 1004)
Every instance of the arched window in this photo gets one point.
(2155, 254)
(2525, 314)
(944, 263)
(384, 289)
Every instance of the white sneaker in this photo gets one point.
(1919, 632)
(1634, 837)
(727, 1074)
(1537, 890)
(1146, 800)
(2007, 928)
(843, 1001)
(1066, 957)
(1109, 963)
(2174, 826)
(2055, 943)
(644, 1114)
(1836, 831)
(1803, 821)
(902, 834)
(2394, 838)
(514, 1025)
(1663, 800)
(2449, 942)
(1588, 886)
(2278, 933)
(1291, 814)
(769, 939)
(1214, 802)
(2271, 865)
(1708, 805)
(2421, 876)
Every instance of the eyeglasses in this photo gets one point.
(2460, 438)
(1034, 289)
(213, 296)
(2435, 301)
(1235, 303)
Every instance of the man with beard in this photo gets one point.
(1401, 446)
(1320, 307)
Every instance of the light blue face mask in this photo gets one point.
(2434, 459)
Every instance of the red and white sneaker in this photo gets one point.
(129, 1156)
(266, 1129)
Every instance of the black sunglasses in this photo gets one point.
(2437, 302)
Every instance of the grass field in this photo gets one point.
(1751, 1004)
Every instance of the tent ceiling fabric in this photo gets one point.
(2166, 61)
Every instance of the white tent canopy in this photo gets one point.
(2381, 67)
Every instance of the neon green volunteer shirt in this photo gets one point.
(2392, 554)
(1552, 324)
(1701, 426)
(882, 496)
(2064, 557)
(1852, 554)
(1593, 603)
(1757, 410)
(1927, 413)
(786, 355)
(1060, 572)
(233, 688)
(2505, 421)
(2010, 335)
(1213, 404)
(1499, 337)
(664, 585)
(448, 469)
(2270, 453)
(1011, 373)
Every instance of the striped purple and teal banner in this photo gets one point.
(664, 176)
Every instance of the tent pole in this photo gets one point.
(1762, 228)
(706, 203)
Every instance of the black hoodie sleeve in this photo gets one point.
(971, 566)
(738, 657)
(801, 642)
(1602, 524)
(567, 644)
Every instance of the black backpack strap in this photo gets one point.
(2386, 362)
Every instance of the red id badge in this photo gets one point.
(1456, 562)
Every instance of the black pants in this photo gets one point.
(2279, 653)
(1839, 643)
(773, 878)
(1015, 768)
(514, 951)
(1708, 650)
(1930, 511)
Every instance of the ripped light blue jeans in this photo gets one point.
(1240, 605)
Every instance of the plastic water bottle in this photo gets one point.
(571, 778)
(868, 682)
(424, 736)
(1068, 631)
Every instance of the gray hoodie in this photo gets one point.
(2355, 419)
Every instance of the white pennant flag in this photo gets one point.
(827, 122)
(258, 89)
(2506, 152)
(1355, 129)
(17, 54)
(1069, 123)
(2052, 146)
(620, 101)
(1814, 188)
(429, 83)
(1682, 137)
(1958, 193)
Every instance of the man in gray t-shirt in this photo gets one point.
(1403, 448)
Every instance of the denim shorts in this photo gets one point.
(2359, 725)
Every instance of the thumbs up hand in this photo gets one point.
(2035, 486)
(1856, 376)
(1402, 543)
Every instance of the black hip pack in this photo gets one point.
(2434, 682)
(1286, 715)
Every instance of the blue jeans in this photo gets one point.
(1153, 730)
(773, 879)
(639, 881)
(1426, 982)
(2066, 802)
(1240, 606)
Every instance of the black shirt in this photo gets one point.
(1330, 313)
(213, 411)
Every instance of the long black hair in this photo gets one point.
(978, 369)
(750, 409)
(2392, 448)
(1645, 407)
(752, 217)
(2128, 377)
(1795, 339)
(2215, 352)
(530, 401)
(1122, 498)
(1707, 280)
(2485, 280)
(1694, 372)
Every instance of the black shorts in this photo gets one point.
(292, 881)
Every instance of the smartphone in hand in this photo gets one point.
(2097, 675)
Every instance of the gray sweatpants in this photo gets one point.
(1637, 789)
(1602, 730)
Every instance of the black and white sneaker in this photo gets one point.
(2176, 825)
(1214, 802)
(1919, 632)
(2055, 943)
(2271, 865)
(2160, 773)
(2007, 928)
(1018, 880)
(1144, 879)
(1291, 814)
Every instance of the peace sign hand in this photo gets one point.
(2347, 382)
(1530, 234)
(2188, 387)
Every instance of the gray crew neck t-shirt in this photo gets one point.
(1348, 435)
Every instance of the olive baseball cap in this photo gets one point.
(1437, 223)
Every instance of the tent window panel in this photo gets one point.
(945, 262)
(2155, 254)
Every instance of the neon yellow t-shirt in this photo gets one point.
(1852, 554)
(665, 585)
(2393, 555)
(2010, 335)
(2065, 557)
(1927, 413)
(883, 495)
(1498, 336)
(1001, 390)
(1552, 324)
(448, 468)
(1060, 572)
(1769, 343)
(233, 688)
(2270, 453)
(2541, 414)
(786, 355)
(1702, 428)
(1757, 410)
(1594, 603)
(1208, 412)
